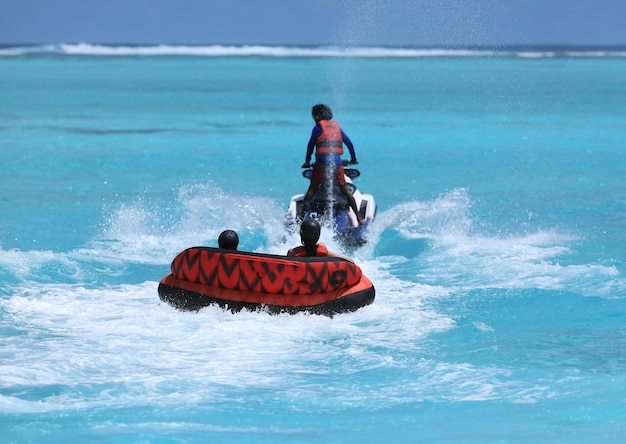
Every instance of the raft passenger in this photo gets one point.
(228, 240)
(310, 231)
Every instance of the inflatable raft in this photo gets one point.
(236, 280)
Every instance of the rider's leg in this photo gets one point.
(311, 191)
(352, 202)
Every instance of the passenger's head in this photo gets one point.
(310, 231)
(228, 240)
(321, 112)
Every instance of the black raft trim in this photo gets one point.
(191, 301)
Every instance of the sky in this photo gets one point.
(315, 22)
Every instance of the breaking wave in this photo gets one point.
(88, 49)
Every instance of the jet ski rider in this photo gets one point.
(327, 138)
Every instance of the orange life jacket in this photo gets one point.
(300, 251)
(330, 141)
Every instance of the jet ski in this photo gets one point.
(330, 207)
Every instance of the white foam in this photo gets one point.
(94, 343)
(123, 340)
(453, 254)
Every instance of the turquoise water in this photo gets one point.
(497, 253)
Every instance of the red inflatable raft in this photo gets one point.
(236, 280)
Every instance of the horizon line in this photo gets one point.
(333, 45)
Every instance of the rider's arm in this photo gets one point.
(350, 146)
(311, 146)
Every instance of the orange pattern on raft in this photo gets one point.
(264, 274)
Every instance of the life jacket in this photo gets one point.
(300, 251)
(330, 141)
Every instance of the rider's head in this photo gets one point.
(321, 112)
(310, 231)
(228, 240)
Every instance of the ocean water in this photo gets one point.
(498, 252)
